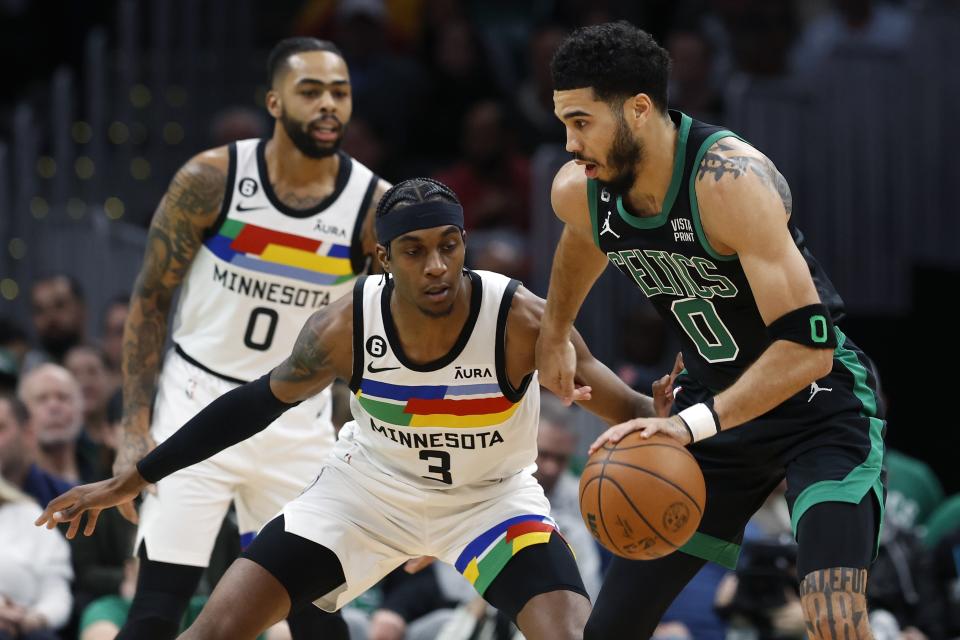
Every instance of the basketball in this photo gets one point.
(643, 497)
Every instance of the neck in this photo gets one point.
(288, 165)
(426, 338)
(655, 173)
(60, 458)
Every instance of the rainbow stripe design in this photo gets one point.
(488, 554)
(281, 254)
(449, 406)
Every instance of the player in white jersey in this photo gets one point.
(439, 461)
(260, 234)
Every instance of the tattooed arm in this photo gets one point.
(744, 206)
(189, 207)
(323, 351)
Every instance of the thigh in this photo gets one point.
(305, 569)
(837, 534)
(179, 523)
(365, 522)
(540, 589)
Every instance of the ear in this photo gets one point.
(383, 258)
(274, 105)
(638, 109)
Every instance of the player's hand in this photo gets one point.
(557, 364)
(672, 426)
(135, 443)
(663, 391)
(118, 491)
(415, 565)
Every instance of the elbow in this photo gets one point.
(822, 363)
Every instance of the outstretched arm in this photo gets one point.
(322, 352)
(577, 263)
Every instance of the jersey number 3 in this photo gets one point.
(442, 469)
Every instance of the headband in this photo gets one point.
(423, 215)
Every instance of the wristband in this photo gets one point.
(701, 420)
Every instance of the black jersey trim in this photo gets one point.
(343, 176)
(676, 180)
(500, 351)
(476, 298)
(694, 205)
(200, 365)
(592, 202)
(212, 230)
(358, 259)
(357, 376)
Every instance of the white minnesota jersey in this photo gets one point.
(265, 267)
(453, 423)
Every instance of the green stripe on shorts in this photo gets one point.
(863, 477)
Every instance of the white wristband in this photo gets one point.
(699, 419)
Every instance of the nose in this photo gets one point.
(327, 103)
(573, 145)
(435, 265)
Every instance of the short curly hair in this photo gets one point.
(615, 59)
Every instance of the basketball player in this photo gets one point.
(439, 459)
(699, 220)
(261, 234)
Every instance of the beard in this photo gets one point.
(624, 157)
(299, 133)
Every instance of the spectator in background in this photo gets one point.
(913, 490)
(851, 23)
(361, 33)
(35, 572)
(114, 319)
(556, 444)
(492, 180)
(59, 317)
(501, 250)
(534, 102)
(691, 89)
(18, 453)
(236, 123)
(98, 441)
(460, 77)
(53, 398)
(14, 346)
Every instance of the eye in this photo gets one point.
(412, 252)
(580, 124)
(450, 246)
(310, 93)
(339, 94)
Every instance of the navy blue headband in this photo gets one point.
(423, 215)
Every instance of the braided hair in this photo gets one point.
(414, 191)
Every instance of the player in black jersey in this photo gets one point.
(699, 220)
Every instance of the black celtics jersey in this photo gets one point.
(703, 294)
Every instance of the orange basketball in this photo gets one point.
(643, 497)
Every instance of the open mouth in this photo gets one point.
(326, 131)
(589, 168)
(437, 293)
